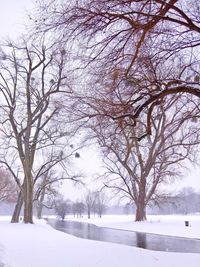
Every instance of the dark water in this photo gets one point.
(130, 238)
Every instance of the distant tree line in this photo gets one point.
(93, 204)
(185, 202)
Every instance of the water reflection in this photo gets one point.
(141, 240)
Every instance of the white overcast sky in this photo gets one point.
(14, 14)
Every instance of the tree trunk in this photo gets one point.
(88, 212)
(140, 212)
(39, 210)
(39, 204)
(18, 206)
(141, 205)
(28, 200)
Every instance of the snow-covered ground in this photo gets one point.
(39, 245)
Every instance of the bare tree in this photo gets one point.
(145, 52)
(78, 208)
(100, 202)
(95, 201)
(129, 39)
(45, 193)
(138, 169)
(50, 176)
(32, 78)
(62, 207)
(89, 202)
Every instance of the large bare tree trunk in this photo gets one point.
(140, 205)
(18, 206)
(140, 212)
(28, 200)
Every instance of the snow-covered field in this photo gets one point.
(39, 245)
